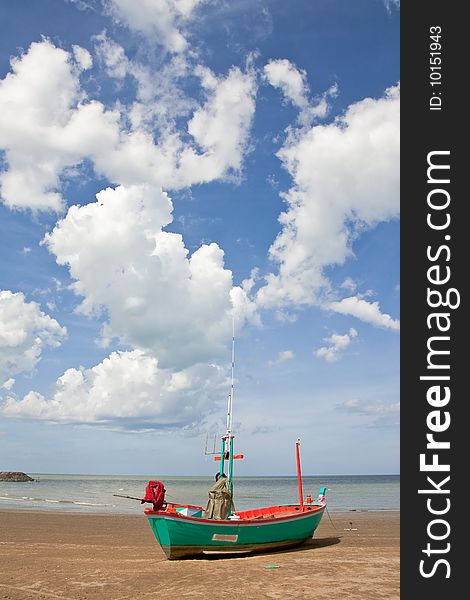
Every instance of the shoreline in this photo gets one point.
(52, 554)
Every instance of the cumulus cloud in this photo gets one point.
(345, 180)
(24, 333)
(369, 312)
(128, 390)
(218, 139)
(338, 344)
(161, 21)
(82, 57)
(155, 295)
(43, 128)
(48, 125)
(220, 127)
(292, 82)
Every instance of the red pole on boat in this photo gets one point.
(299, 474)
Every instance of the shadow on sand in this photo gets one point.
(308, 545)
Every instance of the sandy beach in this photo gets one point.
(87, 557)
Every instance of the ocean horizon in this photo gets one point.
(95, 493)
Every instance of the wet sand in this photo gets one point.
(92, 557)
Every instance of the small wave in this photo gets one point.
(243, 497)
(10, 498)
(54, 501)
(92, 504)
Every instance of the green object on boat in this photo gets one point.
(272, 567)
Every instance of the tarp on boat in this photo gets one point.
(220, 500)
(155, 494)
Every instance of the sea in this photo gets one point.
(97, 493)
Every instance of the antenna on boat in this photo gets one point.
(230, 396)
(206, 451)
(226, 451)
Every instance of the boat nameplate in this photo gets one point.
(220, 537)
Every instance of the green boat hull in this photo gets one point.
(181, 536)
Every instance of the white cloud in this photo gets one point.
(160, 96)
(156, 297)
(369, 312)
(391, 3)
(82, 57)
(382, 413)
(128, 390)
(287, 317)
(220, 127)
(83, 4)
(282, 356)
(338, 344)
(346, 179)
(8, 384)
(113, 56)
(162, 21)
(47, 125)
(283, 74)
(349, 284)
(24, 332)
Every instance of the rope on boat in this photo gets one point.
(329, 516)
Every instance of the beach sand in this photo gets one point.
(86, 557)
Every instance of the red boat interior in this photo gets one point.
(273, 512)
(269, 512)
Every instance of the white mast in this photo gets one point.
(230, 397)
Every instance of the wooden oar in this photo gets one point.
(130, 497)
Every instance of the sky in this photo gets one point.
(167, 166)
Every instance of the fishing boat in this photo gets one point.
(185, 530)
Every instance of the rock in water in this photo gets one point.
(14, 476)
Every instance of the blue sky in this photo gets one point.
(164, 165)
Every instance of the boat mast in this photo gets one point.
(227, 440)
(299, 474)
(229, 415)
(229, 432)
